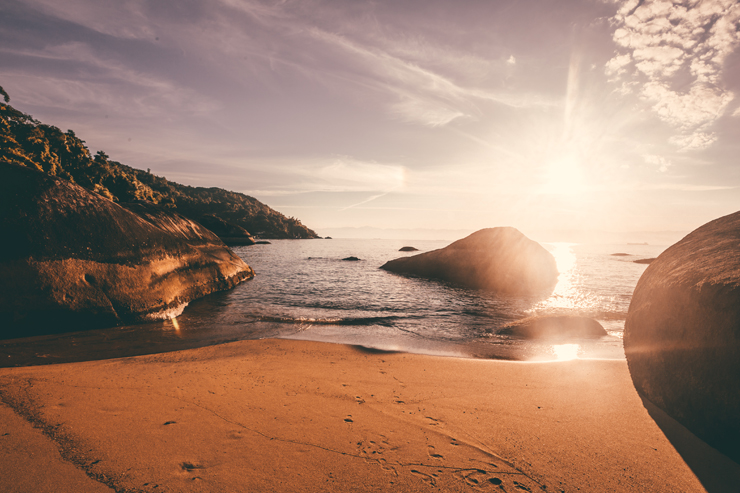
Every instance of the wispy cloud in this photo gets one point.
(658, 161)
(677, 50)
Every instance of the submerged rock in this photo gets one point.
(620, 254)
(408, 249)
(497, 259)
(351, 259)
(682, 333)
(555, 327)
(71, 259)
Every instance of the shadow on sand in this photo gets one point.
(716, 472)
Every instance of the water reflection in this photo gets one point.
(568, 293)
(566, 352)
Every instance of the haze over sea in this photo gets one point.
(305, 290)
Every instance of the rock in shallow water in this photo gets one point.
(71, 259)
(682, 334)
(497, 259)
(555, 327)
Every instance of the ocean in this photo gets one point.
(303, 289)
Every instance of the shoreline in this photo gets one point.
(283, 414)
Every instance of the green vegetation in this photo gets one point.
(28, 142)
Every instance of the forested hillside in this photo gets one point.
(30, 143)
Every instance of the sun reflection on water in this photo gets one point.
(565, 352)
(568, 293)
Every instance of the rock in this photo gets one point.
(408, 249)
(351, 259)
(497, 259)
(71, 259)
(620, 254)
(262, 242)
(231, 234)
(554, 327)
(328, 238)
(644, 261)
(682, 333)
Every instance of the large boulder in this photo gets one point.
(72, 259)
(497, 259)
(682, 334)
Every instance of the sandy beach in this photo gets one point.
(284, 415)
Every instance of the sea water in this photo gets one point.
(305, 289)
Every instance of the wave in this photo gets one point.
(387, 321)
(597, 314)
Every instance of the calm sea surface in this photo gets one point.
(304, 290)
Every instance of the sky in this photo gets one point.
(545, 115)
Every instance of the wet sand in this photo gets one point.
(282, 415)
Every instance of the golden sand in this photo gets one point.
(282, 415)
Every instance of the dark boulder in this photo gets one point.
(555, 327)
(682, 333)
(408, 249)
(72, 259)
(498, 259)
(351, 259)
(262, 242)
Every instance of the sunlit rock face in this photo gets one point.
(555, 328)
(682, 334)
(497, 259)
(71, 259)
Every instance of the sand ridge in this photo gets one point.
(279, 415)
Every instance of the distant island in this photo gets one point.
(231, 216)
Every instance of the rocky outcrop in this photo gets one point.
(498, 259)
(555, 328)
(231, 234)
(408, 249)
(682, 333)
(73, 259)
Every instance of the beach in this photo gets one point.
(286, 415)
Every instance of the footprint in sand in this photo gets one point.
(433, 453)
(190, 467)
(427, 478)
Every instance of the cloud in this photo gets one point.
(662, 163)
(346, 174)
(109, 85)
(422, 95)
(677, 51)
